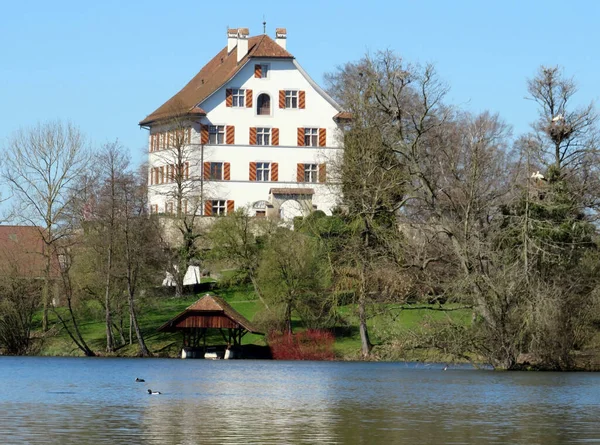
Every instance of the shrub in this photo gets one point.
(312, 344)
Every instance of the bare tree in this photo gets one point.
(564, 134)
(182, 180)
(112, 165)
(141, 244)
(42, 166)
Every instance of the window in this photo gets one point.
(216, 170)
(263, 104)
(311, 137)
(291, 99)
(219, 207)
(263, 171)
(311, 173)
(260, 214)
(263, 136)
(239, 97)
(216, 134)
(264, 71)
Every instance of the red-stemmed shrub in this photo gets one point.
(312, 344)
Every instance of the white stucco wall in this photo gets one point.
(319, 112)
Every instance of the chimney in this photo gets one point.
(281, 37)
(231, 39)
(242, 43)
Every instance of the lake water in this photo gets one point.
(96, 401)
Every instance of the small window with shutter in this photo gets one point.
(216, 171)
(291, 99)
(216, 134)
(311, 172)
(311, 137)
(261, 71)
(238, 96)
(263, 171)
(219, 207)
(263, 136)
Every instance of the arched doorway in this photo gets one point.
(290, 209)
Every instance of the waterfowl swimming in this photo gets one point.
(137, 379)
(154, 393)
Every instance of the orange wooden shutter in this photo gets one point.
(302, 100)
(274, 171)
(227, 171)
(151, 143)
(322, 137)
(274, 136)
(252, 173)
(248, 98)
(189, 135)
(185, 207)
(281, 98)
(187, 170)
(162, 174)
(207, 208)
(230, 206)
(257, 71)
(228, 98)
(300, 137)
(204, 134)
(252, 135)
(300, 173)
(230, 135)
(322, 172)
(151, 178)
(206, 168)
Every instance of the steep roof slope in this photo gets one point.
(206, 305)
(213, 76)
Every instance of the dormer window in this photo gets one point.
(263, 104)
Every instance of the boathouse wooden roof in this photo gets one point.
(212, 312)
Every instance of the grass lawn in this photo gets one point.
(390, 321)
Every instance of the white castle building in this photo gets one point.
(257, 131)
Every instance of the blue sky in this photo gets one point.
(105, 65)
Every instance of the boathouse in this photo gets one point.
(209, 312)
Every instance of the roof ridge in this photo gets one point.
(214, 74)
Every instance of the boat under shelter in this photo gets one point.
(209, 312)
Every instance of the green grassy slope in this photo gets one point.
(389, 322)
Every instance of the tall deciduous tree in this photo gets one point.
(182, 182)
(293, 277)
(43, 164)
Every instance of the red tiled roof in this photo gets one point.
(22, 252)
(213, 76)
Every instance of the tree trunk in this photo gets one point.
(288, 319)
(143, 348)
(365, 343)
(109, 337)
(257, 292)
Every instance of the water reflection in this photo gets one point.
(96, 401)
